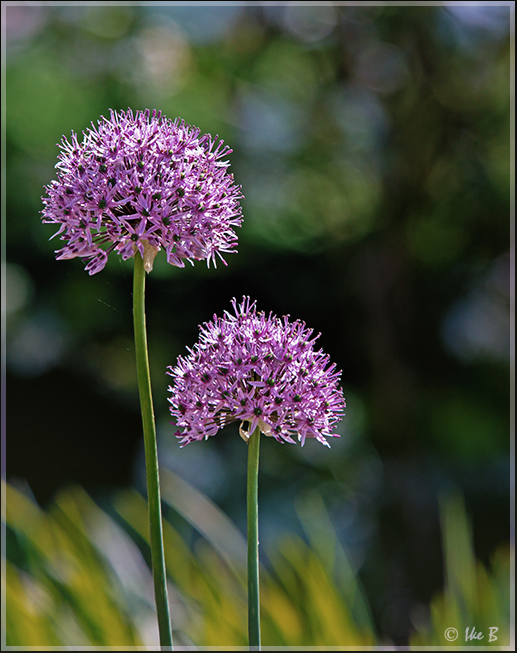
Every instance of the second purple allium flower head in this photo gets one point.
(143, 182)
(259, 369)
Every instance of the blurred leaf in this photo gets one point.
(71, 572)
(206, 518)
(77, 588)
(473, 597)
(26, 623)
(324, 542)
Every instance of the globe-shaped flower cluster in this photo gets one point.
(143, 182)
(258, 369)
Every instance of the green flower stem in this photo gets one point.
(253, 542)
(151, 457)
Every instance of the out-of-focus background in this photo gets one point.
(372, 144)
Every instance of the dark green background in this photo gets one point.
(372, 145)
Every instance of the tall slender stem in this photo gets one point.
(253, 542)
(151, 456)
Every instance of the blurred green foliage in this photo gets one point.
(76, 576)
(474, 598)
(373, 147)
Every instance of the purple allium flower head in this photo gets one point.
(141, 181)
(260, 369)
